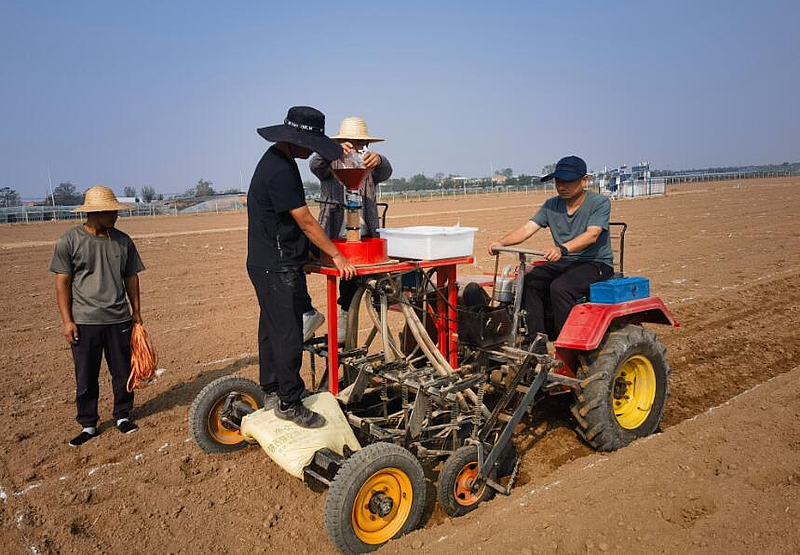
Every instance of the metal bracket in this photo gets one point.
(522, 408)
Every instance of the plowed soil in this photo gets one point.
(724, 256)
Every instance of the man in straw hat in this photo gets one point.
(279, 228)
(353, 135)
(96, 266)
(581, 254)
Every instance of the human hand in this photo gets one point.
(492, 247)
(553, 254)
(137, 318)
(346, 269)
(347, 147)
(71, 332)
(371, 159)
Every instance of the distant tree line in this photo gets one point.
(9, 197)
(205, 188)
(66, 194)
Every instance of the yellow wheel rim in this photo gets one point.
(633, 392)
(218, 430)
(382, 506)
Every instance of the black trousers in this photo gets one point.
(93, 340)
(282, 297)
(347, 290)
(563, 283)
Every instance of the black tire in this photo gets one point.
(601, 421)
(374, 467)
(208, 431)
(456, 474)
(351, 333)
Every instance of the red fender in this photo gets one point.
(587, 323)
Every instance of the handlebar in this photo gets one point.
(517, 250)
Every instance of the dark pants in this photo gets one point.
(563, 283)
(347, 290)
(283, 297)
(93, 340)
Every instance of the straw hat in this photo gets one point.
(354, 129)
(101, 199)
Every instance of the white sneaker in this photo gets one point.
(341, 320)
(311, 321)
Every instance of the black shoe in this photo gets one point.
(82, 438)
(127, 427)
(299, 414)
(271, 401)
(306, 393)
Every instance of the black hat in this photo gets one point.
(569, 168)
(304, 126)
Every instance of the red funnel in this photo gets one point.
(351, 178)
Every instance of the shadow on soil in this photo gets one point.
(184, 393)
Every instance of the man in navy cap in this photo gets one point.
(581, 254)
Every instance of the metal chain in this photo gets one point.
(514, 474)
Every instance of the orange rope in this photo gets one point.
(143, 358)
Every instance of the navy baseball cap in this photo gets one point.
(569, 168)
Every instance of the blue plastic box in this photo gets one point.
(619, 290)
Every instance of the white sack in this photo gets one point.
(293, 447)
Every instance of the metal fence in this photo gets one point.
(236, 203)
(724, 176)
(639, 188)
(26, 214)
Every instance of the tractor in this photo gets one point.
(436, 374)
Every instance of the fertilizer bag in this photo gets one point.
(293, 447)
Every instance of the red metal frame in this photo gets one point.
(445, 278)
(587, 323)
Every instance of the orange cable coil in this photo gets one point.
(143, 358)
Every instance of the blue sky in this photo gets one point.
(166, 93)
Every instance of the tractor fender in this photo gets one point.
(587, 323)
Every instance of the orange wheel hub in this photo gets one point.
(217, 428)
(462, 492)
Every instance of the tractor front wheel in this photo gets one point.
(624, 389)
(378, 494)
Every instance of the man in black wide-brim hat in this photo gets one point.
(279, 228)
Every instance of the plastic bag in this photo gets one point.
(292, 447)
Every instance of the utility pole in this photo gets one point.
(52, 197)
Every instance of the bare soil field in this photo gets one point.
(724, 256)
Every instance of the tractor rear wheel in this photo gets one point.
(209, 430)
(377, 495)
(624, 389)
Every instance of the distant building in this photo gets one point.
(642, 171)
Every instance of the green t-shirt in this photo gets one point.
(98, 266)
(594, 212)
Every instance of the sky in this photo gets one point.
(167, 93)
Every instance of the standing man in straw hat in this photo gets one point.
(279, 228)
(581, 254)
(96, 266)
(353, 135)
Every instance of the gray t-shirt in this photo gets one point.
(595, 211)
(98, 266)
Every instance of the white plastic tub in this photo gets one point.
(426, 242)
